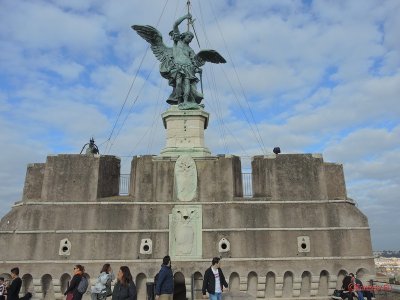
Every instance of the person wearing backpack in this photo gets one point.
(125, 288)
(75, 288)
(102, 288)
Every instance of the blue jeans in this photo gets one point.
(216, 296)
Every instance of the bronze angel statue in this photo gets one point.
(179, 64)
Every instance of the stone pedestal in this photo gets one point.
(185, 132)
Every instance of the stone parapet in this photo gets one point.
(297, 177)
(33, 181)
(152, 178)
(72, 177)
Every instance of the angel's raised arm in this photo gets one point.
(179, 21)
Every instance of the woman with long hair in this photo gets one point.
(102, 288)
(125, 288)
(72, 292)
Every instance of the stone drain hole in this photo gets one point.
(146, 246)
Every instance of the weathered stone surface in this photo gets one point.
(254, 230)
(33, 181)
(219, 178)
(264, 257)
(237, 296)
(335, 183)
(185, 132)
(185, 232)
(297, 177)
(152, 180)
(69, 177)
(185, 178)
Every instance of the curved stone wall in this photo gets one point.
(260, 285)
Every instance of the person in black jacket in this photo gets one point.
(125, 288)
(165, 281)
(214, 281)
(348, 287)
(15, 286)
(73, 284)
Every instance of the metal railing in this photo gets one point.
(247, 183)
(125, 180)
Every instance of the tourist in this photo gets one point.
(72, 292)
(125, 288)
(348, 287)
(358, 287)
(214, 280)
(15, 286)
(2, 289)
(165, 281)
(102, 288)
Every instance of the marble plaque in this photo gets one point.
(185, 178)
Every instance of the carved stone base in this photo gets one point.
(185, 132)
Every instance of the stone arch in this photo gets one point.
(179, 286)
(27, 284)
(197, 285)
(287, 285)
(6, 276)
(64, 280)
(47, 287)
(252, 281)
(141, 281)
(234, 282)
(323, 284)
(342, 273)
(270, 285)
(361, 273)
(305, 290)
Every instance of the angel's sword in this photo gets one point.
(191, 22)
(194, 31)
(201, 82)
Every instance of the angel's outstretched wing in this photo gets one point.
(163, 53)
(209, 56)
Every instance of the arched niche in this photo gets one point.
(270, 285)
(27, 284)
(47, 287)
(141, 281)
(341, 275)
(323, 283)
(287, 285)
(305, 289)
(234, 282)
(6, 276)
(197, 285)
(64, 280)
(361, 273)
(179, 286)
(252, 281)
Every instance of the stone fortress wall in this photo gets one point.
(296, 237)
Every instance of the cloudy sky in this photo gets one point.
(308, 76)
